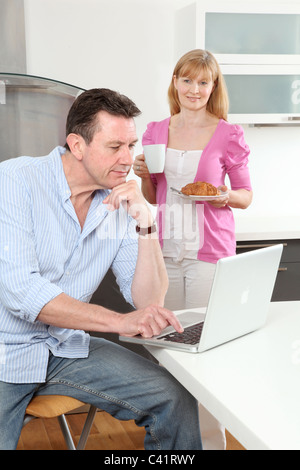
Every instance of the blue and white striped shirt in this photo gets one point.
(44, 252)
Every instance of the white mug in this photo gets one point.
(155, 156)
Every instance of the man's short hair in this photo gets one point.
(82, 117)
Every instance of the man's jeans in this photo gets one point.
(118, 381)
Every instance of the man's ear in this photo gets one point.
(75, 143)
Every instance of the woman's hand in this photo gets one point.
(238, 199)
(140, 168)
(221, 201)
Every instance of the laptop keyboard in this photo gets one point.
(191, 335)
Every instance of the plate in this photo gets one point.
(199, 198)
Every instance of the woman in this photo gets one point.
(201, 146)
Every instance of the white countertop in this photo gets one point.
(267, 228)
(252, 384)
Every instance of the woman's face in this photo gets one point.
(194, 93)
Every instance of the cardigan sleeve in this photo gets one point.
(148, 136)
(237, 160)
(157, 132)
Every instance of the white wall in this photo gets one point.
(275, 171)
(128, 45)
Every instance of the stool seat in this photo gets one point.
(56, 406)
(51, 406)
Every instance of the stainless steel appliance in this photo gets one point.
(33, 112)
(33, 109)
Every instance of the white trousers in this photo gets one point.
(189, 287)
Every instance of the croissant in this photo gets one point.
(200, 188)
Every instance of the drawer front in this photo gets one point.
(287, 286)
(291, 251)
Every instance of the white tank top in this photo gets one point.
(181, 234)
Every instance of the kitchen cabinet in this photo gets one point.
(248, 36)
(236, 32)
(258, 48)
(287, 286)
(268, 94)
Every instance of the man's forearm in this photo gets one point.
(65, 312)
(150, 281)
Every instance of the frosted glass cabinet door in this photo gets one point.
(264, 94)
(252, 33)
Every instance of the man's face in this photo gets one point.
(108, 158)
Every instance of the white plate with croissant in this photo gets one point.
(200, 191)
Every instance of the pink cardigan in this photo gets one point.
(226, 153)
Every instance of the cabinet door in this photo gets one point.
(264, 94)
(241, 33)
(252, 33)
(287, 286)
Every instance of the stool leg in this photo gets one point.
(66, 432)
(87, 427)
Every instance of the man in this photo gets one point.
(65, 219)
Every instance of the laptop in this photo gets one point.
(239, 303)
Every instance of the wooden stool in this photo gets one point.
(56, 406)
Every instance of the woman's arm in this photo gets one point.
(240, 199)
(237, 199)
(141, 170)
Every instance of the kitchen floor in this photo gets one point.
(107, 433)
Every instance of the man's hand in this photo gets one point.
(130, 196)
(148, 322)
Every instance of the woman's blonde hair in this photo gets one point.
(191, 65)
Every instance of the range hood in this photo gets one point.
(12, 36)
(33, 112)
(33, 109)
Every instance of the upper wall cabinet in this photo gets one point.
(258, 48)
(253, 38)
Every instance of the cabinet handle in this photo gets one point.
(281, 270)
(294, 118)
(265, 245)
